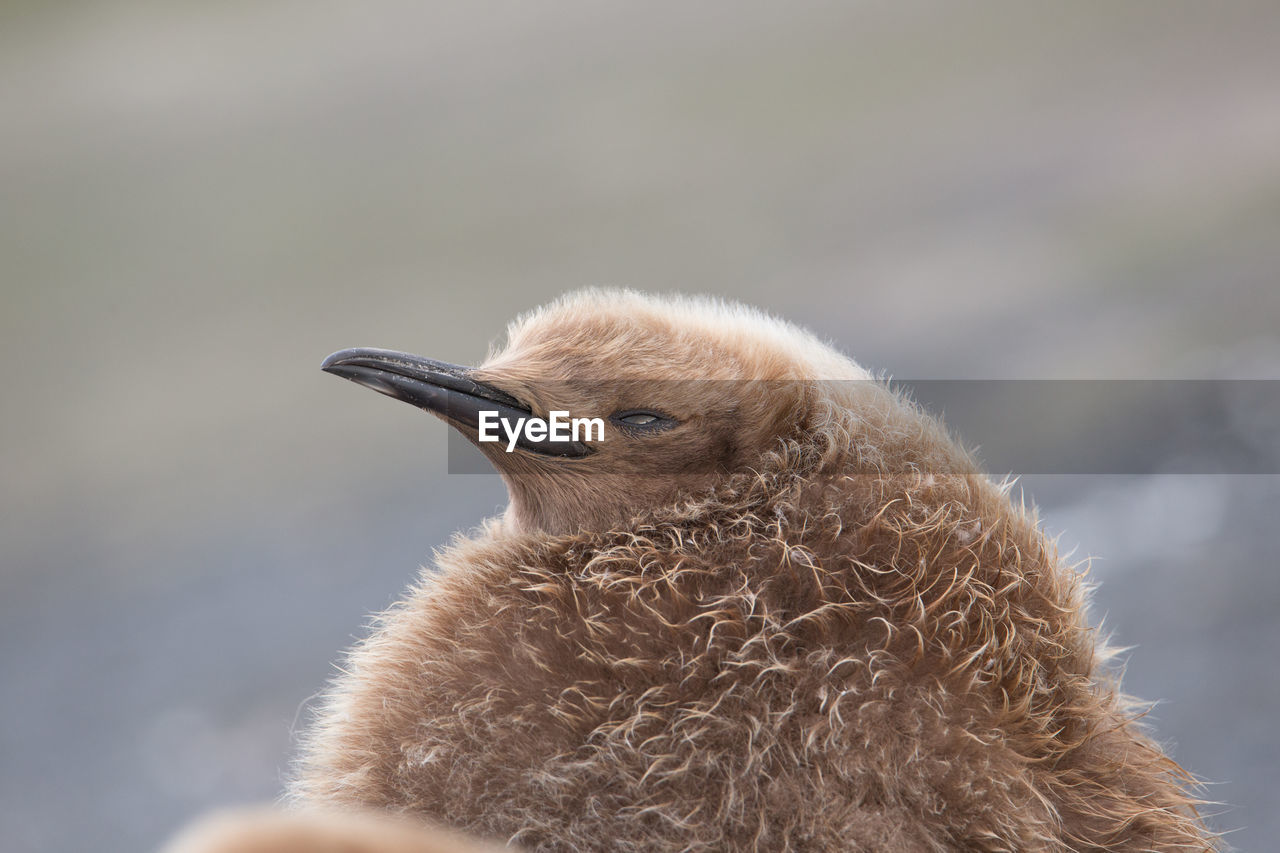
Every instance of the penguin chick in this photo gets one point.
(775, 608)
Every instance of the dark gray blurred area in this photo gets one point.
(198, 202)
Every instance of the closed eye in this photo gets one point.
(642, 420)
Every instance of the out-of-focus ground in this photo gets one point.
(200, 201)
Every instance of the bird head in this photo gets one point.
(672, 396)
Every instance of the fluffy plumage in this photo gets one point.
(818, 627)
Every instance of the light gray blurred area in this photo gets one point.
(199, 201)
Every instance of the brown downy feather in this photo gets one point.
(853, 642)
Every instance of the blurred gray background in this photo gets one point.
(199, 201)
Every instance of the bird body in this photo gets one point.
(791, 616)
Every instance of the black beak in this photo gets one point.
(443, 389)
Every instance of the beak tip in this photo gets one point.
(335, 359)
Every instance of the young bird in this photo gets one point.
(775, 608)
